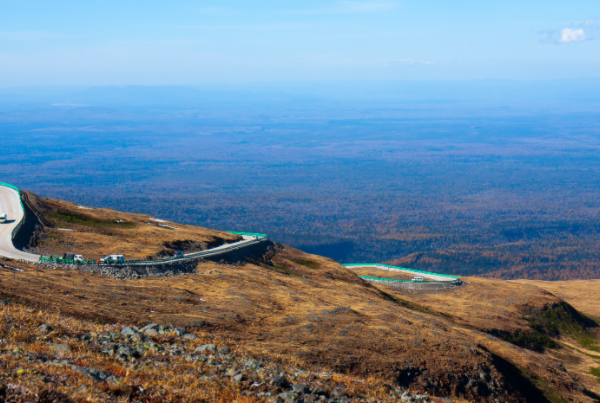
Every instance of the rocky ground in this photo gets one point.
(48, 357)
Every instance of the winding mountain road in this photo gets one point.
(10, 203)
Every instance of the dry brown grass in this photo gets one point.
(584, 295)
(315, 314)
(298, 310)
(95, 233)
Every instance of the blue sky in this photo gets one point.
(194, 42)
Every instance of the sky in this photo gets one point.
(131, 42)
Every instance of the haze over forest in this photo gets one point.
(491, 177)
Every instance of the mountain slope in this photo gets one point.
(489, 340)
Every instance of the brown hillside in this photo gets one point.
(584, 295)
(488, 341)
(310, 311)
(97, 232)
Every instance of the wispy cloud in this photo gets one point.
(350, 7)
(407, 61)
(574, 33)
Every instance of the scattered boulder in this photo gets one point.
(96, 374)
(300, 388)
(206, 347)
(225, 350)
(44, 328)
(179, 331)
(239, 378)
(251, 364)
(189, 336)
(151, 332)
(149, 326)
(128, 331)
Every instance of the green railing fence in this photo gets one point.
(400, 268)
(260, 237)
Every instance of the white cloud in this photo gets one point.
(572, 35)
(575, 33)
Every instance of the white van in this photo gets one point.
(78, 258)
(417, 279)
(113, 258)
(3, 217)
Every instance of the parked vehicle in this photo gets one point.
(417, 279)
(3, 217)
(78, 258)
(179, 253)
(113, 258)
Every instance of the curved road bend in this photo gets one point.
(10, 204)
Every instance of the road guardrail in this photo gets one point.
(191, 256)
(404, 269)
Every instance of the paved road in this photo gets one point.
(11, 205)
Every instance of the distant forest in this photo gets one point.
(481, 189)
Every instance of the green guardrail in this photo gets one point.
(153, 261)
(393, 280)
(22, 208)
(256, 234)
(400, 268)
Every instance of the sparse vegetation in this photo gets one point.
(596, 373)
(98, 232)
(532, 340)
(61, 217)
(310, 265)
(562, 318)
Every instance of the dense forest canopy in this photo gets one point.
(504, 185)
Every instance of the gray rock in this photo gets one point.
(239, 378)
(421, 398)
(96, 374)
(137, 337)
(206, 347)
(62, 347)
(225, 350)
(148, 327)
(252, 364)
(189, 336)
(151, 332)
(288, 396)
(44, 328)
(3, 302)
(128, 331)
(179, 331)
(300, 388)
